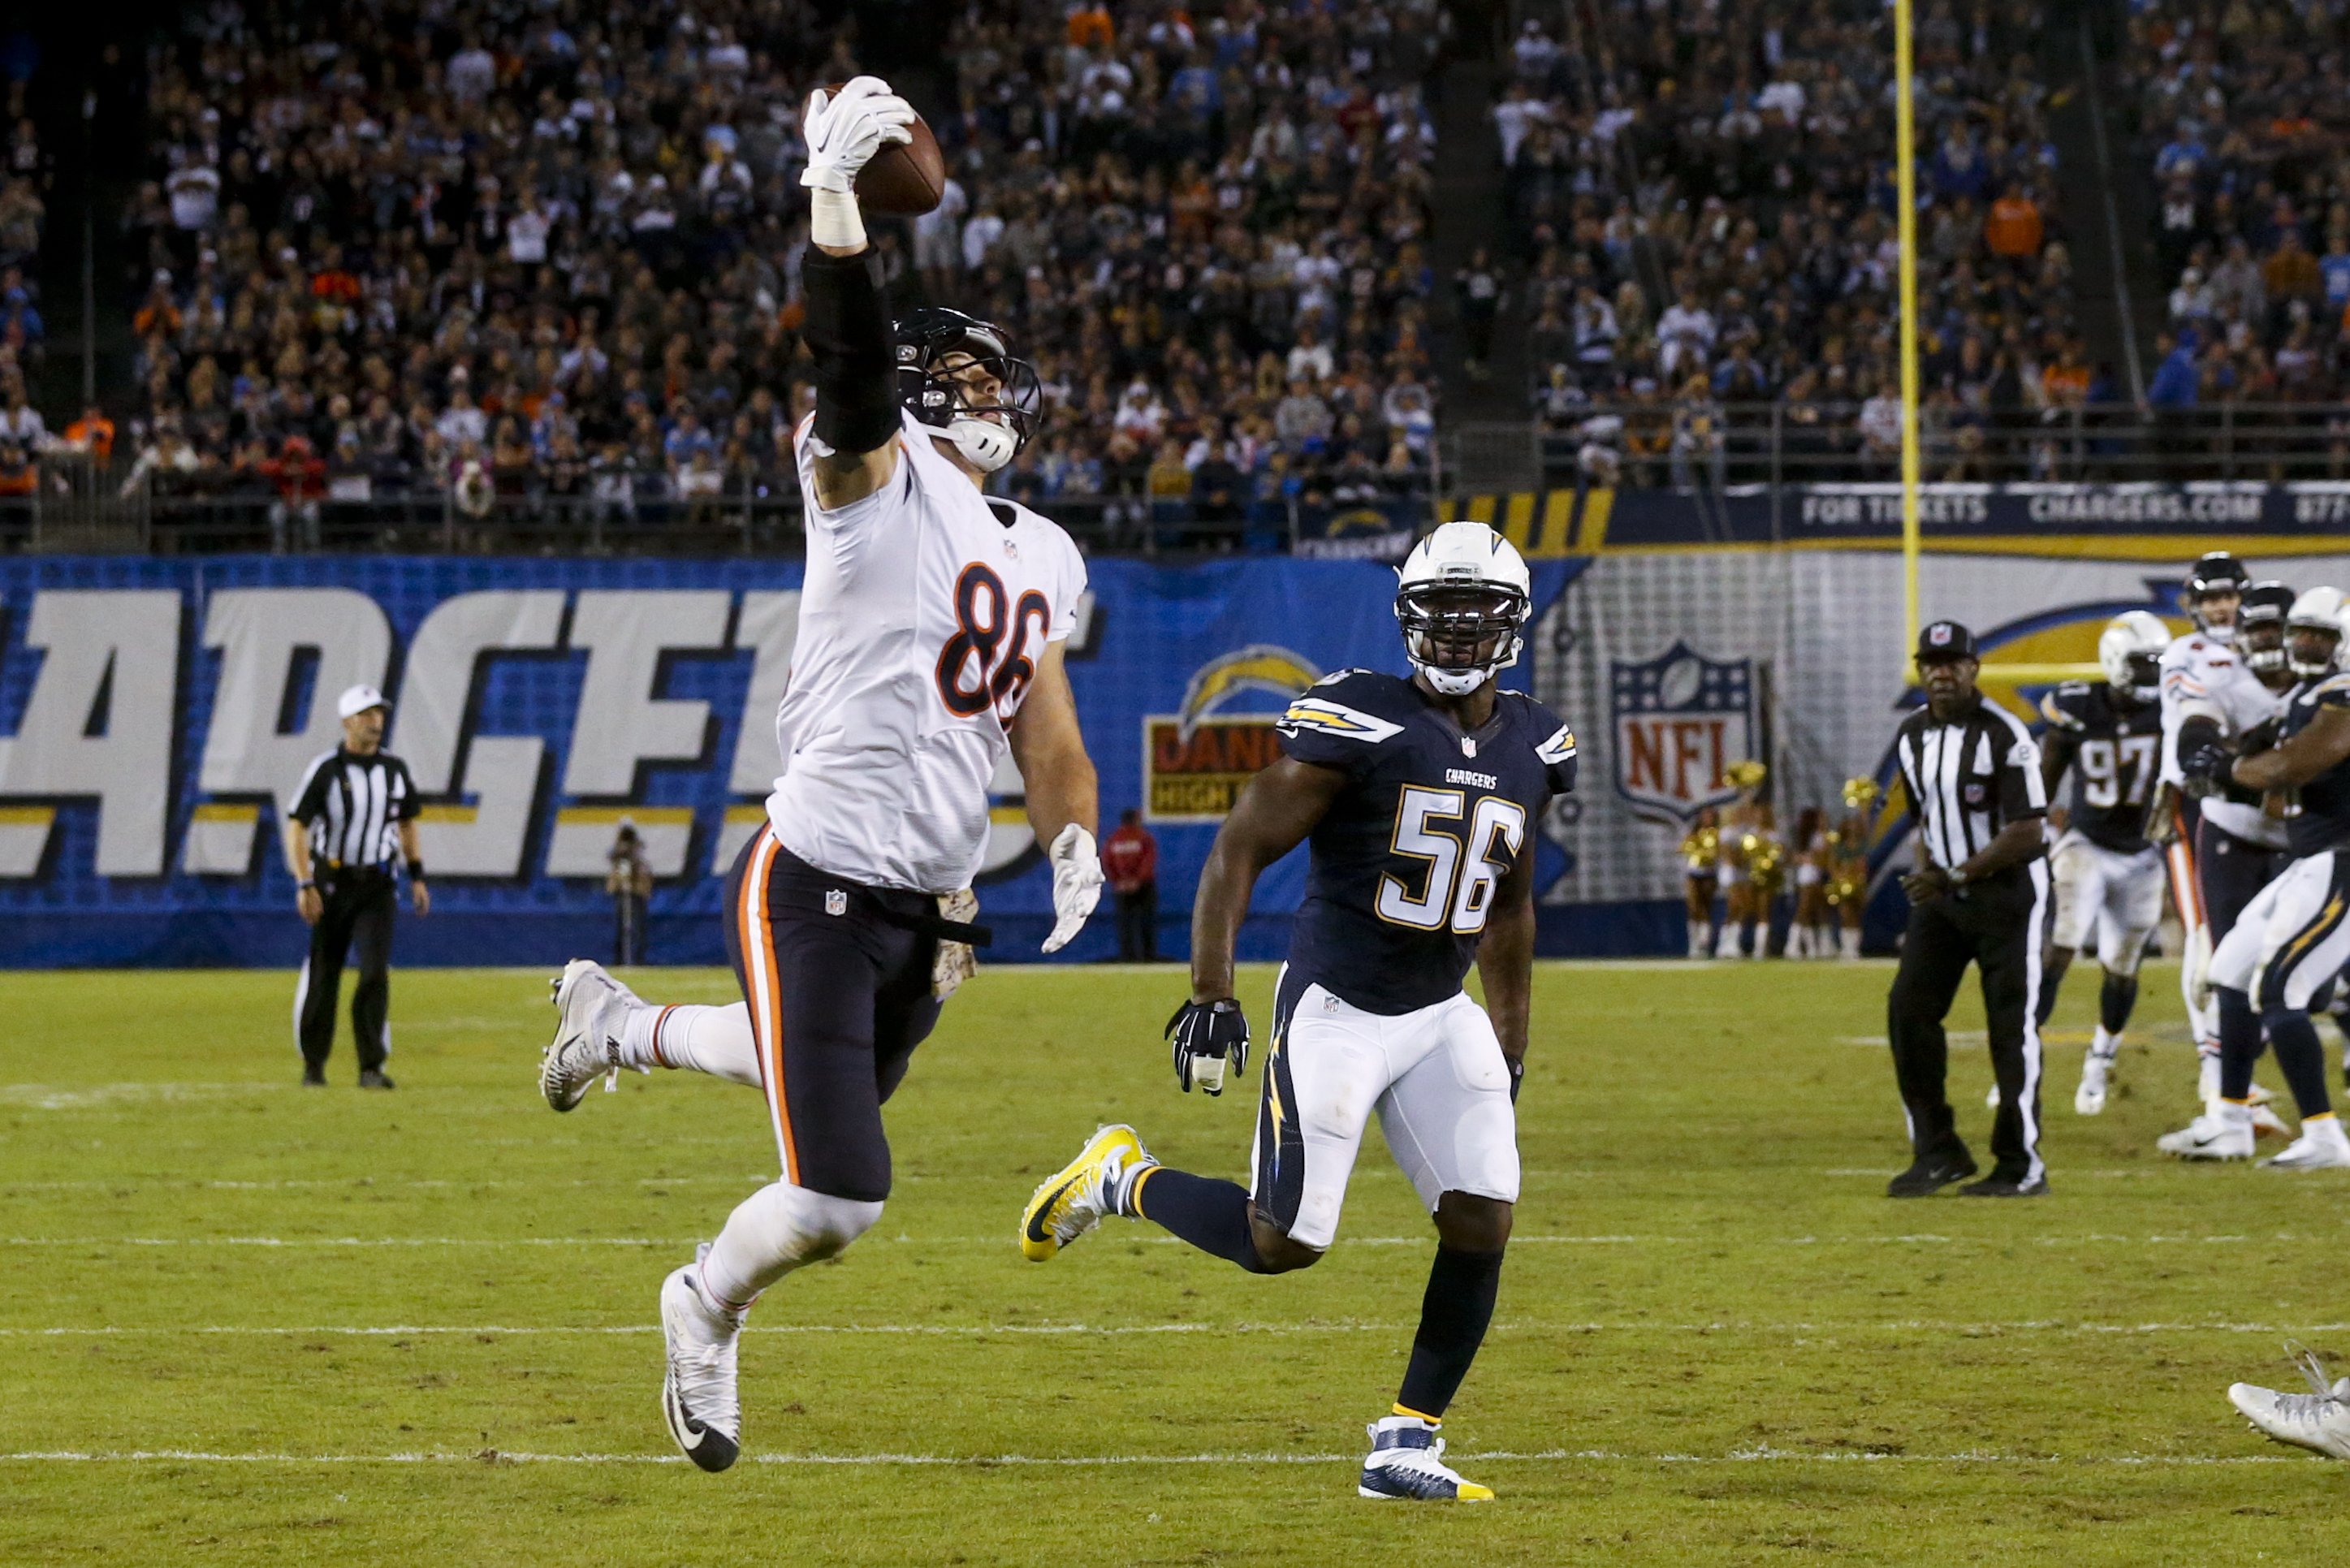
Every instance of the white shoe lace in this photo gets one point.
(2323, 1401)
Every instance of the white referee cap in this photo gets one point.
(359, 699)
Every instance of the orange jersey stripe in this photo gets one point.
(767, 997)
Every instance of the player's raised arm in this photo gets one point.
(1063, 806)
(847, 329)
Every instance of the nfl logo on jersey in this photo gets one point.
(1681, 719)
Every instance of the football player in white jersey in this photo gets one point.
(2290, 943)
(932, 622)
(2218, 684)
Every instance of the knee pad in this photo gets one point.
(777, 1230)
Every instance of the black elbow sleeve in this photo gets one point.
(2196, 734)
(848, 336)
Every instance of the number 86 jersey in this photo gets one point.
(925, 610)
(1406, 864)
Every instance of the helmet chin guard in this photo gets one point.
(937, 351)
(984, 445)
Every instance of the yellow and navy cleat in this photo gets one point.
(1407, 1464)
(1074, 1199)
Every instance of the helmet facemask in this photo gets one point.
(2261, 640)
(1460, 635)
(976, 393)
(2310, 648)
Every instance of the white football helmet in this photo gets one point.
(1461, 588)
(2317, 613)
(2130, 649)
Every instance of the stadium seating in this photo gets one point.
(548, 271)
(1703, 204)
(2242, 122)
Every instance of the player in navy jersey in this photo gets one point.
(2292, 939)
(2110, 879)
(1420, 800)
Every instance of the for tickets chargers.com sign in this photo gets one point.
(155, 713)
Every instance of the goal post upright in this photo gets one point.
(1905, 182)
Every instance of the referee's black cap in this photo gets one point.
(1944, 642)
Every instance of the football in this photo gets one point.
(902, 181)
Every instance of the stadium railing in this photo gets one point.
(1644, 446)
(431, 522)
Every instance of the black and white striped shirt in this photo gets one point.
(1967, 778)
(353, 807)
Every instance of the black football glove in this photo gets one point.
(1206, 1035)
(2205, 770)
(2264, 736)
(1517, 1075)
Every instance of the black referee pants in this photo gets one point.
(2000, 926)
(356, 922)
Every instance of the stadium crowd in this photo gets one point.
(2246, 127)
(1701, 199)
(26, 169)
(552, 253)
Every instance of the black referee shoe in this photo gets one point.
(313, 1077)
(1931, 1173)
(371, 1079)
(1997, 1185)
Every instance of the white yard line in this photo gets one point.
(1917, 1239)
(1891, 1325)
(992, 1461)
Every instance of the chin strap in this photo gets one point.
(1454, 682)
(985, 445)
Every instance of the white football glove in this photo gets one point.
(1077, 884)
(843, 131)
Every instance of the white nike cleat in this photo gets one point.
(2321, 1146)
(2319, 1421)
(1407, 1464)
(2224, 1132)
(591, 1008)
(698, 1396)
(1075, 1197)
(2089, 1099)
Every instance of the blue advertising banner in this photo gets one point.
(154, 714)
(2082, 518)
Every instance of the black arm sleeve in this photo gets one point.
(848, 336)
(2197, 732)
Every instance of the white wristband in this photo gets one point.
(834, 220)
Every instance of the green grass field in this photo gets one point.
(244, 1323)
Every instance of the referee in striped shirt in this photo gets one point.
(1979, 895)
(351, 822)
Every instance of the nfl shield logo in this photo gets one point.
(1680, 719)
(836, 902)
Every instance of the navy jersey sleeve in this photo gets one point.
(2334, 692)
(1554, 747)
(2066, 708)
(1336, 723)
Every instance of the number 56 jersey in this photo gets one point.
(1406, 864)
(924, 612)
